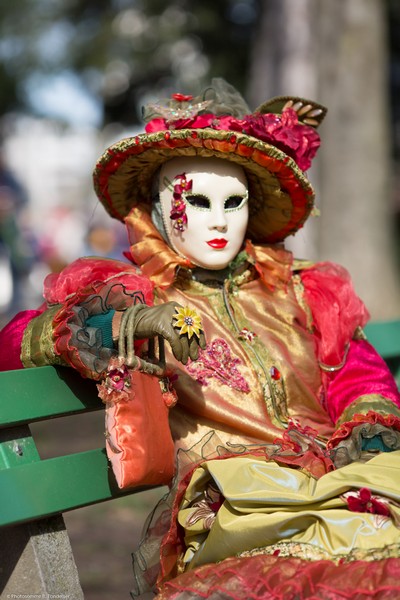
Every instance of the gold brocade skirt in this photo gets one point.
(246, 506)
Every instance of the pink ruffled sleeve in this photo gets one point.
(99, 285)
(364, 374)
(357, 371)
(90, 271)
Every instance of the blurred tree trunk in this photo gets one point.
(336, 53)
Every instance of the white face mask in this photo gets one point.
(215, 204)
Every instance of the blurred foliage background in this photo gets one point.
(121, 52)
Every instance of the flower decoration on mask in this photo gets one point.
(188, 321)
(178, 204)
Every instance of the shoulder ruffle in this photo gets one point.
(87, 287)
(89, 273)
(336, 309)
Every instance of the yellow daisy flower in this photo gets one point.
(188, 320)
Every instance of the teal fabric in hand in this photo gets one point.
(104, 323)
(375, 443)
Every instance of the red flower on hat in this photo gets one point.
(181, 98)
(196, 122)
(298, 141)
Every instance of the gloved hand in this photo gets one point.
(365, 441)
(151, 321)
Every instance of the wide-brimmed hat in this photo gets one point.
(275, 145)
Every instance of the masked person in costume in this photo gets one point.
(287, 422)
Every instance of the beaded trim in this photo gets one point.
(314, 553)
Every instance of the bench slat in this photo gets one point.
(385, 337)
(36, 490)
(29, 395)
(17, 447)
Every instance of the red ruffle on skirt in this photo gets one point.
(264, 577)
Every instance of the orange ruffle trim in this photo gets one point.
(345, 430)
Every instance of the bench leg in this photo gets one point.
(36, 560)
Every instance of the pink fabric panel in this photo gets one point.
(11, 340)
(337, 310)
(365, 372)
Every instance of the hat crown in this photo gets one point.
(220, 99)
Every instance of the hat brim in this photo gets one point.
(281, 197)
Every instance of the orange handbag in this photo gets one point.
(139, 444)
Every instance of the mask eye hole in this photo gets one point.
(234, 202)
(198, 201)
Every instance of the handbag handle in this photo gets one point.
(126, 348)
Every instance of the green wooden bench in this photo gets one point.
(35, 553)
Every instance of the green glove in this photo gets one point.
(142, 322)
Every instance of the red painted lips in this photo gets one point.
(218, 244)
